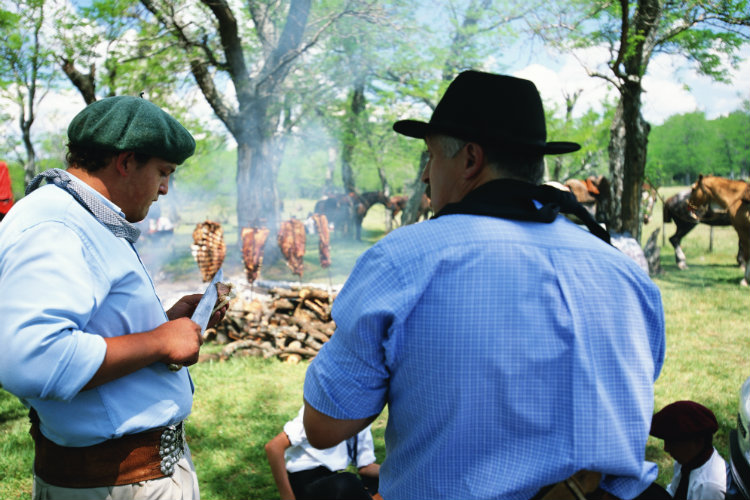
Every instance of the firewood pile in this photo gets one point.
(291, 324)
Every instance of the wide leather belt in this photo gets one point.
(130, 459)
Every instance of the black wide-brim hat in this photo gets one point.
(494, 110)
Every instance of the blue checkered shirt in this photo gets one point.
(510, 355)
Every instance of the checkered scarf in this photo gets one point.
(104, 214)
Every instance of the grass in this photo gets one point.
(241, 403)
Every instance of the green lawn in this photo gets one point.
(243, 402)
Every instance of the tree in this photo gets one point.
(732, 149)
(704, 32)
(24, 70)
(687, 145)
(241, 59)
(472, 34)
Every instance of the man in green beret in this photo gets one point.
(86, 341)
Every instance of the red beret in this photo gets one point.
(683, 420)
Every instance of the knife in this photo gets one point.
(204, 310)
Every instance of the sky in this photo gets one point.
(670, 86)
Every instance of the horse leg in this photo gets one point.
(745, 249)
(740, 261)
(683, 228)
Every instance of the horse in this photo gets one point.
(734, 196)
(398, 203)
(346, 211)
(339, 210)
(595, 194)
(648, 201)
(362, 203)
(676, 210)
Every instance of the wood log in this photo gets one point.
(319, 311)
(229, 349)
(304, 351)
(307, 326)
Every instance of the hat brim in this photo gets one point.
(420, 130)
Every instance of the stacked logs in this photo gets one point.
(293, 325)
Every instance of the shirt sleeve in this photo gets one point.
(365, 448)
(348, 379)
(709, 491)
(295, 430)
(50, 287)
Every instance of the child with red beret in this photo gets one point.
(687, 429)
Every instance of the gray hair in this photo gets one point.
(450, 146)
(528, 167)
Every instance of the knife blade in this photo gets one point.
(204, 310)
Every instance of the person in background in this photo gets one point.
(6, 190)
(514, 349)
(687, 429)
(86, 341)
(302, 472)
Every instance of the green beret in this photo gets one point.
(126, 123)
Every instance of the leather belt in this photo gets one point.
(129, 459)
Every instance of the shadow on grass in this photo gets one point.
(229, 456)
(702, 275)
(10, 408)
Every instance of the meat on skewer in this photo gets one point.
(291, 240)
(208, 248)
(253, 241)
(324, 240)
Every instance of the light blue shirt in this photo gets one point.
(67, 283)
(510, 354)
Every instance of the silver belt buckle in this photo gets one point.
(171, 447)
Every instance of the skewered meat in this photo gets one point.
(291, 240)
(324, 240)
(225, 294)
(208, 248)
(253, 241)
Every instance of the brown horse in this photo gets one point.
(397, 204)
(734, 196)
(677, 210)
(595, 194)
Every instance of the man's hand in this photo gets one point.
(181, 341)
(174, 342)
(185, 307)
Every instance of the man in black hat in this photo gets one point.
(86, 341)
(687, 429)
(512, 347)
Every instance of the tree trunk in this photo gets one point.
(616, 168)
(258, 203)
(636, 130)
(411, 212)
(85, 83)
(386, 188)
(30, 165)
(356, 107)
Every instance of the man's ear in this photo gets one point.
(124, 162)
(475, 160)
